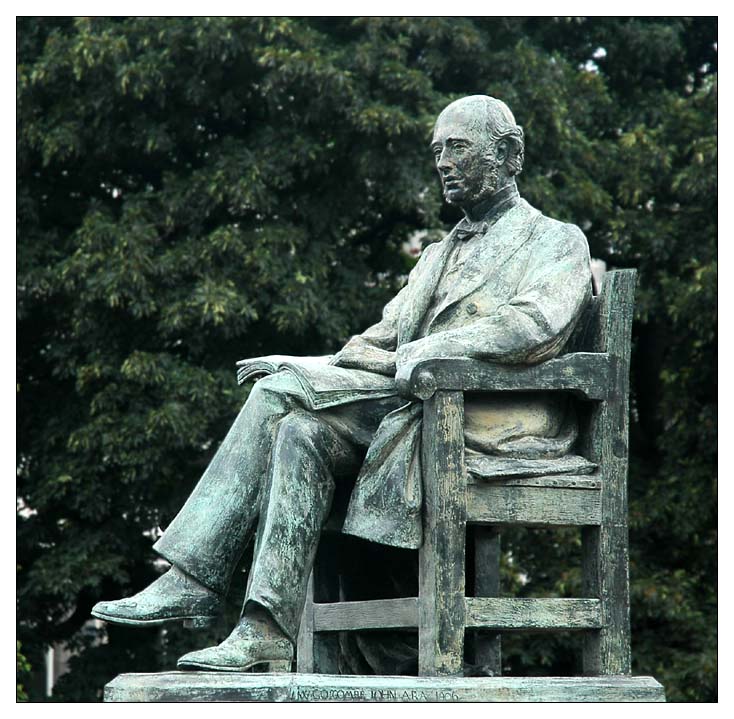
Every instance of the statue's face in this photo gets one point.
(465, 160)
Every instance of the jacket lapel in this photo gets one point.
(501, 242)
(415, 309)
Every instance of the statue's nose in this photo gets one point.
(445, 166)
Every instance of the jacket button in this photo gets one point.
(471, 308)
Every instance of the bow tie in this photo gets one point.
(504, 200)
(471, 229)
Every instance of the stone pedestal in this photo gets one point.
(248, 687)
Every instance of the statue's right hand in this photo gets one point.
(336, 359)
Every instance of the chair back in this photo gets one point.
(604, 325)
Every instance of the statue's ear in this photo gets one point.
(502, 151)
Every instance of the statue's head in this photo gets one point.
(478, 148)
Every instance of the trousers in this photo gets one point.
(274, 474)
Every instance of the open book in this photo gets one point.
(323, 385)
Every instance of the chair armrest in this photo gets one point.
(588, 374)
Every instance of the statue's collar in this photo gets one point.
(501, 202)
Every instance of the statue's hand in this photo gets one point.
(337, 359)
(357, 354)
(348, 358)
(406, 354)
(422, 349)
(351, 355)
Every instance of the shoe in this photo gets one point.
(174, 597)
(250, 643)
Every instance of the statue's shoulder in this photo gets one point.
(549, 229)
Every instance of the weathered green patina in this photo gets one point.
(507, 286)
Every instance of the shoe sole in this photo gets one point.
(275, 666)
(192, 622)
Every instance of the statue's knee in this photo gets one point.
(297, 427)
(267, 394)
(275, 385)
(262, 386)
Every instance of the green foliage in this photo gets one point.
(195, 191)
(22, 667)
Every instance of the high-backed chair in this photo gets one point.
(587, 491)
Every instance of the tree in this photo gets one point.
(193, 191)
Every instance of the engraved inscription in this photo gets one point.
(320, 694)
(316, 694)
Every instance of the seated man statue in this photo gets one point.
(506, 285)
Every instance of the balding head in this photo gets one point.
(478, 148)
(493, 119)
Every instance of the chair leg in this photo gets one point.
(605, 569)
(305, 644)
(487, 645)
(442, 596)
(318, 652)
(606, 548)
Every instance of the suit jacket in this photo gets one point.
(516, 300)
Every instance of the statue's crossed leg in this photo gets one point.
(277, 465)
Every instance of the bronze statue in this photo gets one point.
(507, 284)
